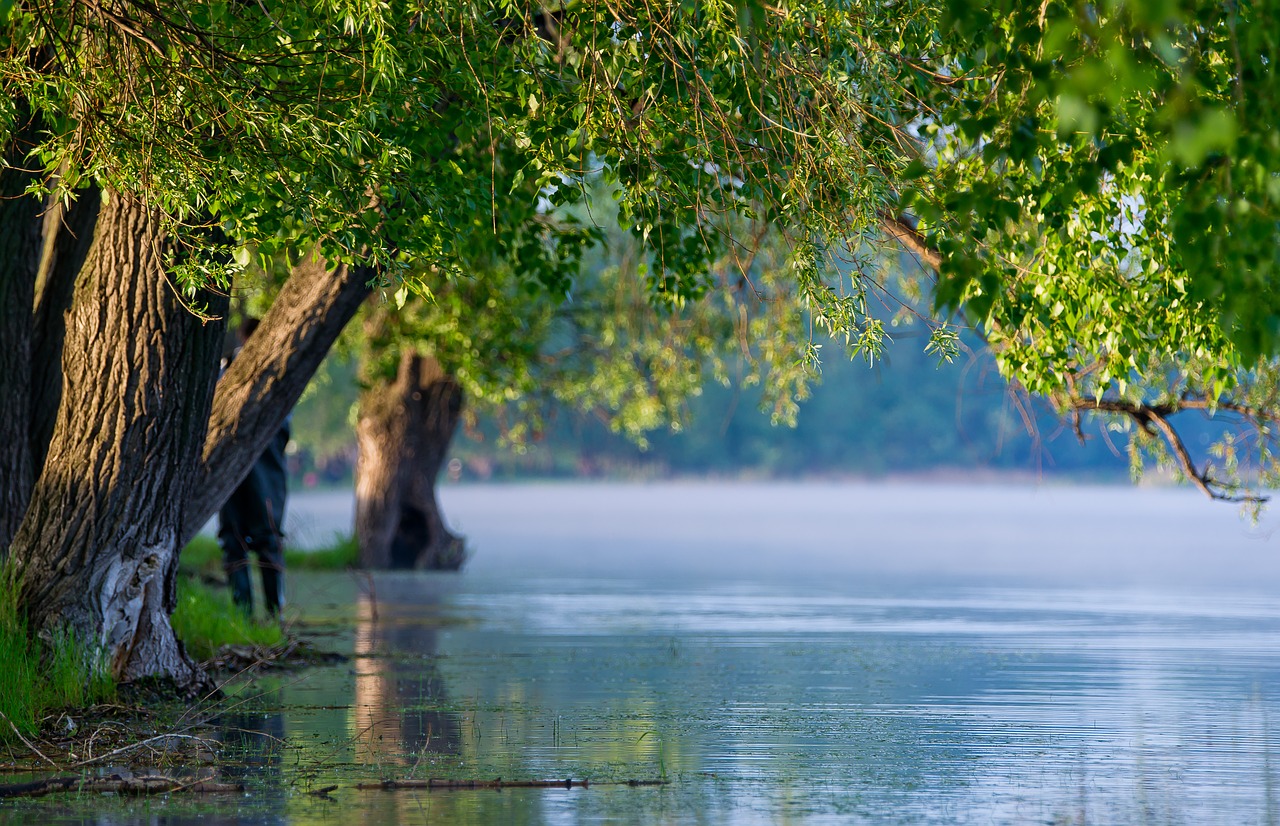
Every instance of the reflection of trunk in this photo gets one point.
(404, 431)
(97, 549)
(398, 711)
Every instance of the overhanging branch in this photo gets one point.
(900, 229)
(1154, 419)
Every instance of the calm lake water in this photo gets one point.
(800, 654)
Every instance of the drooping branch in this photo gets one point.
(266, 380)
(1154, 419)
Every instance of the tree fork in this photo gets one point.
(266, 380)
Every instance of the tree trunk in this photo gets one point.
(403, 432)
(266, 380)
(20, 228)
(68, 232)
(97, 550)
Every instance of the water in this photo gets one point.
(783, 654)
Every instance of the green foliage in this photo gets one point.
(1099, 180)
(411, 135)
(206, 619)
(905, 414)
(39, 677)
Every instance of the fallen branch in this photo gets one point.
(140, 785)
(28, 743)
(498, 783)
(140, 744)
(133, 785)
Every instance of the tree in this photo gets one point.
(147, 145)
(153, 144)
(608, 351)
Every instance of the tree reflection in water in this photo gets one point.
(398, 717)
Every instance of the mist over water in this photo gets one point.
(981, 534)
(815, 653)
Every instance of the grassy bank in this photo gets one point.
(206, 619)
(36, 679)
(204, 556)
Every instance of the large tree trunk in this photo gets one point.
(403, 432)
(266, 380)
(97, 550)
(20, 229)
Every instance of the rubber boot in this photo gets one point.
(272, 564)
(241, 588)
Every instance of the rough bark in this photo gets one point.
(97, 549)
(268, 377)
(20, 230)
(403, 433)
(68, 232)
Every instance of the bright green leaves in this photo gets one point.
(1102, 192)
(1115, 210)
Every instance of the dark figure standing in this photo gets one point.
(253, 520)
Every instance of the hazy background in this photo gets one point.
(904, 415)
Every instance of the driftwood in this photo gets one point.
(498, 783)
(129, 784)
(117, 784)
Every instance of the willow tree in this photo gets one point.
(517, 357)
(1096, 186)
(147, 144)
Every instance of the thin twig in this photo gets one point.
(28, 743)
(133, 746)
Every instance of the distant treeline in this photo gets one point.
(905, 414)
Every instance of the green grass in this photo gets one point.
(206, 619)
(204, 555)
(36, 678)
(343, 554)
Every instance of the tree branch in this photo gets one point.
(900, 229)
(1155, 420)
(264, 383)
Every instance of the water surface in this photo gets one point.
(803, 654)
